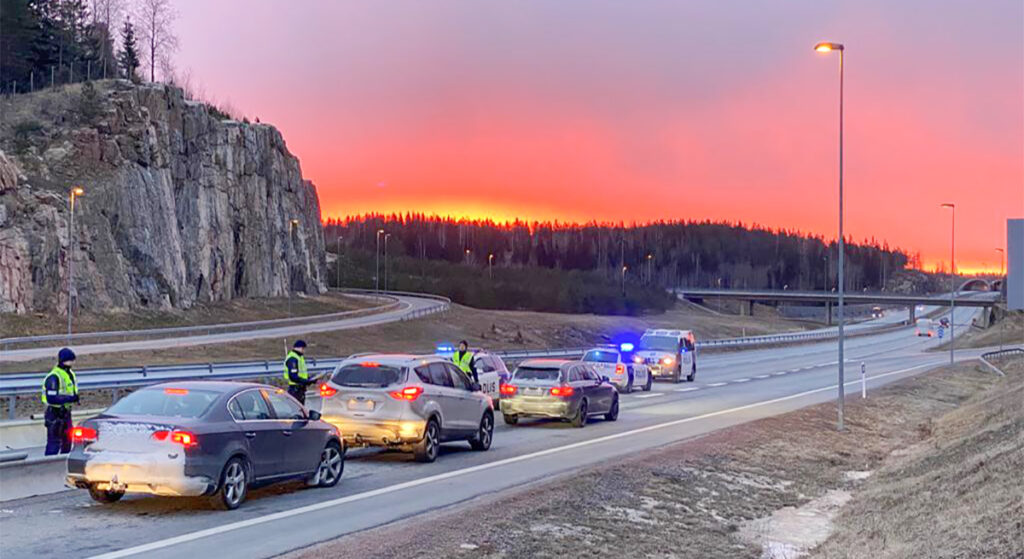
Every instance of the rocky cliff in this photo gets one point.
(179, 205)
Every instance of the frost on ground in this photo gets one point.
(792, 532)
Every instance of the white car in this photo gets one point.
(490, 370)
(670, 354)
(620, 366)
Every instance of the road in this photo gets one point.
(380, 487)
(408, 306)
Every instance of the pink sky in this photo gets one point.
(574, 110)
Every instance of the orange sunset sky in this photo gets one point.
(641, 110)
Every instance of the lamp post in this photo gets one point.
(376, 255)
(338, 261)
(624, 268)
(490, 266)
(1002, 280)
(841, 279)
(292, 226)
(952, 276)
(467, 255)
(650, 273)
(75, 192)
(386, 237)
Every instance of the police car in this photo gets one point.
(490, 369)
(670, 354)
(622, 368)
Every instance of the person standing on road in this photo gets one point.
(60, 391)
(295, 371)
(463, 359)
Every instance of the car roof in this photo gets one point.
(393, 359)
(667, 332)
(545, 363)
(222, 386)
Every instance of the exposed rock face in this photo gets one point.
(179, 205)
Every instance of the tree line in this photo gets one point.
(663, 254)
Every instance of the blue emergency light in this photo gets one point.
(445, 348)
(626, 346)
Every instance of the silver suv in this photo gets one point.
(409, 402)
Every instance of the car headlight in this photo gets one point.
(667, 361)
(638, 359)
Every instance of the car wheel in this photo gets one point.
(509, 418)
(693, 373)
(629, 383)
(650, 381)
(234, 485)
(484, 435)
(426, 449)
(332, 466)
(677, 376)
(104, 496)
(613, 413)
(581, 415)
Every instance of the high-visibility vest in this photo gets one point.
(67, 387)
(303, 372)
(463, 362)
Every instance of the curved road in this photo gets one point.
(409, 306)
(381, 487)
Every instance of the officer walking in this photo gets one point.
(463, 359)
(295, 371)
(60, 390)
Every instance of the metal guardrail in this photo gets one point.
(986, 358)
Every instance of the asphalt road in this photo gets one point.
(380, 487)
(408, 306)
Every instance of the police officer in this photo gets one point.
(60, 390)
(463, 359)
(295, 371)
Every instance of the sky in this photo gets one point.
(640, 110)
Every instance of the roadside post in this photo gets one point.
(863, 380)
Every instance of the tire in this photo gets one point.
(693, 373)
(613, 413)
(233, 486)
(629, 383)
(426, 449)
(650, 381)
(485, 434)
(509, 418)
(105, 496)
(677, 376)
(331, 467)
(581, 416)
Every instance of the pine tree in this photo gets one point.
(128, 58)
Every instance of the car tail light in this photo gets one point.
(409, 393)
(562, 391)
(369, 364)
(508, 389)
(83, 435)
(184, 438)
(326, 391)
(176, 391)
(620, 369)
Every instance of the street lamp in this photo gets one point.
(293, 224)
(1002, 280)
(952, 275)
(490, 266)
(841, 279)
(75, 192)
(650, 273)
(337, 260)
(624, 268)
(376, 255)
(467, 256)
(386, 237)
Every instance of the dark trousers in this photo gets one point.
(298, 391)
(58, 430)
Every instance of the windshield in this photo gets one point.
(659, 343)
(367, 375)
(601, 356)
(165, 402)
(536, 373)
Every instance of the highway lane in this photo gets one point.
(379, 486)
(408, 305)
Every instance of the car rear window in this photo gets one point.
(367, 375)
(165, 402)
(536, 373)
(601, 356)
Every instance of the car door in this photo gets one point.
(487, 372)
(445, 395)
(262, 433)
(468, 409)
(596, 390)
(302, 442)
(578, 381)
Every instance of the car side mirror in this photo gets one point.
(605, 379)
(475, 387)
(314, 415)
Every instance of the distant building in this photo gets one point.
(1015, 264)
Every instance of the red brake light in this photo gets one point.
(409, 393)
(508, 389)
(326, 391)
(369, 364)
(161, 435)
(83, 435)
(184, 438)
(179, 391)
(620, 369)
(562, 391)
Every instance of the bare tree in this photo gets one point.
(106, 19)
(155, 19)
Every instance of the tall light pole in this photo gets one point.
(624, 281)
(292, 226)
(952, 276)
(376, 255)
(75, 192)
(386, 237)
(1002, 280)
(650, 273)
(467, 255)
(490, 266)
(338, 261)
(829, 47)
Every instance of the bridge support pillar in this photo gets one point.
(913, 315)
(748, 307)
(828, 314)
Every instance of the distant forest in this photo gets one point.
(663, 254)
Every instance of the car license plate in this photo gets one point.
(361, 405)
(535, 391)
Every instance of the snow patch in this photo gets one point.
(855, 475)
(631, 515)
(560, 530)
(792, 532)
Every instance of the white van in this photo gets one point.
(925, 327)
(669, 354)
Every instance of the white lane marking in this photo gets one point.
(780, 373)
(742, 380)
(690, 389)
(650, 395)
(184, 538)
(794, 370)
(714, 384)
(762, 376)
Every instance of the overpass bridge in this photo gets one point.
(985, 299)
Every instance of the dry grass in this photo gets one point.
(1009, 332)
(693, 499)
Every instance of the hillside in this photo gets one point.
(180, 206)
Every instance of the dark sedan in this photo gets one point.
(551, 388)
(203, 438)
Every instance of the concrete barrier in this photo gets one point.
(36, 476)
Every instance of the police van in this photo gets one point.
(490, 369)
(669, 354)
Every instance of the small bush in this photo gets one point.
(90, 106)
(23, 133)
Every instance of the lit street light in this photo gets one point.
(952, 275)
(490, 266)
(376, 255)
(386, 237)
(624, 268)
(337, 260)
(841, 279)
(1002, 280)
(292, 226)
(72, 292)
